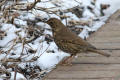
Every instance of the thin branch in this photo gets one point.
(15, 72)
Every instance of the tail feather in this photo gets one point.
(100, 52)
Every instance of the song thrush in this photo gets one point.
(68, 41)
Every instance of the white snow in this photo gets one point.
(20, 22)
(19, 76)
(27, 16)
(114, 5)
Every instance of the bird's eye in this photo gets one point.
(51, 23)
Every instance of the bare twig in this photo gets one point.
(31, 6)
(15, 72)
(44, 51)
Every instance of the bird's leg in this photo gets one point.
(68, 60)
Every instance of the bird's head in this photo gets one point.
(55, 23)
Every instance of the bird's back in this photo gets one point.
(70, 42)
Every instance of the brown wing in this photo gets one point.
(67, 36)
(78, 44)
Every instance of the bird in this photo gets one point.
(69, 42)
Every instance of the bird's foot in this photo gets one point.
(67, 61)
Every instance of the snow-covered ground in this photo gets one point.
(47, 53)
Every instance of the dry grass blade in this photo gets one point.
(14, 43)
(2, 2)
